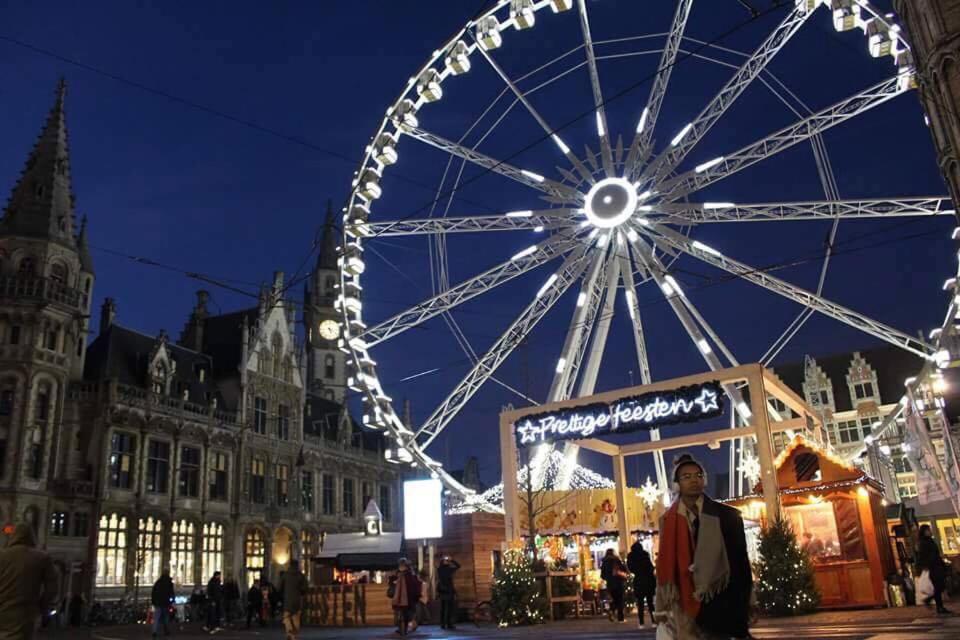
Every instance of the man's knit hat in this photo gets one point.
(685, 458)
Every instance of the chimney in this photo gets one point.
(108, 314)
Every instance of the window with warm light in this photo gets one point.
(949, 535)
(308, 550)
(111, 550)
(212, 553)
(253, 550)
(258, 480)
(149, 550)
(283, 484)
(218, 476)
(122, 447)
(181, 552)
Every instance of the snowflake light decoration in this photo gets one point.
(649, 493)
(750, 467)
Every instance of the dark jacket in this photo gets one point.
(293, 586)
(929, 558)
(255, 598)
(215, 590)
(231, 591)
(609, 568)
(28, 584)
(728, 613)
(162, 594)
(640, 565)
(445, 588)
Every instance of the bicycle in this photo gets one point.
(483, 615)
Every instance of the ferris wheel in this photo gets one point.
(612, 219)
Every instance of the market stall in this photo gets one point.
(838, 515)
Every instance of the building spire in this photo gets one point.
(41, 204)
(327, 259)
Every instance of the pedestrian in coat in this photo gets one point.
(293, 588)
(447, 592)
(404, 591)
(644, 580)
(28, 584)
(214, 603)
(929, 559)
(255, 603)
(703, 572)
(160, 597)
(614, 573)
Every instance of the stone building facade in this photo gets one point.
(220, 450)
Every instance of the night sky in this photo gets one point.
(268, 108)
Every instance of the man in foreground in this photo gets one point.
(28, 585)
(293, 586)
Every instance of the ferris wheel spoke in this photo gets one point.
(711, 256)
(572, 268)
(642, 140)
(536, 220)
(564, 148)
(523, 176)
(688, 137)
(812, 210)
(633, 308)
(588, 379)
(603, 131)
(725, 166)
(676, 299)
(525, 261)
(581, 326)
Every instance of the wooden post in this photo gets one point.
(508, 465)
(761, 423)
(620, 487)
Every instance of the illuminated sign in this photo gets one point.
(422, 509)
(633, 413)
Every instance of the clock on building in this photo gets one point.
(329, 330)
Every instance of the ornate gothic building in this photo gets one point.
(228, 448)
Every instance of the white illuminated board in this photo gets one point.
(422, 509)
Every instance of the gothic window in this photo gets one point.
(863, 390)
(283, 484)
(158, 466)
(257, 480)
(349, 498)
(149, 550)
(58, 273)
(7, 391)
(50, 338)
(111, 550)
(253, 553)
(308, 550)
(283, 422)
(260, 415)
(25, 268)
(181, 552)
(122, 447)
(218, 476)
(306, 491)
(42, 411)
(212, 560)
(59, 523)
(849, 431)
(80, 524)
(329, 367)
(159, 381)
(189, 472)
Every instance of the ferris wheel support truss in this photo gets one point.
(812, 210)
(535, 220)
(603, 131)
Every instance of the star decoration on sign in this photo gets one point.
(750, 467)
(649, 493)
(527, 432)
(707, 400)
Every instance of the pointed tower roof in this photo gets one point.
(327, 259)
(86, 260)
(41, 204)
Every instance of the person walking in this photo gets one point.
(255, 603)
(447, 592)
(28, 584)
(421, 614)
(614, 573)
(404, 591)
(929, 559)
(293, 587)
(644, 580)
(703, 571)
(214, 603)
(160, 597)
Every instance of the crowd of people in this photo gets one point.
(410, 595)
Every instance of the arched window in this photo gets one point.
(111, 550)
(329, 367)
(25, 268)
(253, 551)
(58, 273)
(181, 552)
(212, 549)
(149, 550)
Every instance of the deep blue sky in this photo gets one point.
(171, 182)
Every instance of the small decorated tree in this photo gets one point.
(516, 598)
(786, 585)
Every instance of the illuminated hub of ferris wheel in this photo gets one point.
(631, 197)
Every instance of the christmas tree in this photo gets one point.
(786, 586)
(516, 599)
